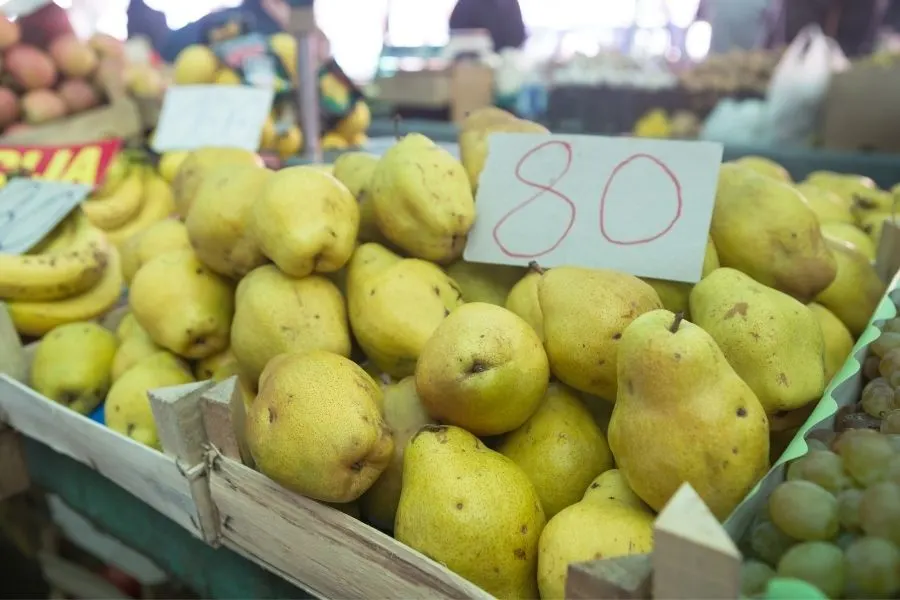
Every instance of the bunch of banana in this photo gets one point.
(72, 275)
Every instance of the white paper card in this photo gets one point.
(635, 205)
(194, 116)
(31, 208)
(22, 8)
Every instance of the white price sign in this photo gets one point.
(635, 205)
(194, 116)
(31, 208)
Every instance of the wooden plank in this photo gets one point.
(13, 360)
(150, 475)
(13, 471)
(224, 419)
(620, 578)
(330, 554)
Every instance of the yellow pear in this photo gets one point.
(160, 237)
(217, 221)
(764, 166)
(588, 531)
(771, 340)
(856, 291)
(395, 304)
(422, 199)
(185, 307)
(72, 363)
(275, 313)
(872, 223)
(683, 415)
(560, 448)
(195, 167)
(763, 228)
(127, 408)
(838, 341)
(473, 143)
(850, 235)
(305, 221)
(315, 426)
(405, 415)
(206, 368)
(355, 170)
(585, 312)
(612, 485)
(483, 369)
(859, 193)
(481, 282)
(523, 301)
(487, 115)
(828, 206)
(133, 349)
(674, 294)
(127, 326)
(470, 509)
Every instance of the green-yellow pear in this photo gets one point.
(481, 282)
(473, 142)
(764, 166)
(182, 304)
(275, 313)
(684, 415)
(126, 326)
(72, 363)
(206, 368)
(316, 428)
(827, 205)
(838, 341)
(355, 170)
(217, 221)
(872, 223)
(851, 236)
(763, 228)
(422, 199)
(133, 349)
(481, 117)
(523, 300)
(483, 369)
(856, 291)
(395, 304)
(160, 237)
(470, 509)
(405, 415)
(612, 485)
(198, 164)
(856, 191)
(674, 294)
(560, 448)
(771, 340)
(588, 531)
(585, 312)
(305, 221)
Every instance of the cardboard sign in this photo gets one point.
(30, 208)
(634, 205)
(20, 8)
(194, 116)
(74, 163)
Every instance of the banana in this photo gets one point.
(59, 238)
(114, 210)
(116, 173)
(37, 318)
(158, 204)
(58, 275)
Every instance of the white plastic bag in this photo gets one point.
(799, 84)
(736, 123)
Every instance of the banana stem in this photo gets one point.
(677, 322)
(534, 266)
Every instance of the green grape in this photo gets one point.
(889, 367)
(755, 577)
(892, 472)
(865, 454)
(870, 367)
(884, 343)
(890, 422)
(848, 508)
(804, 511)
(892, 326)
(877, 397)
(879, 511)
(893, 440)
(769, 543)
(872, 568)
(815, 444)
(823, 467)
(819, 564)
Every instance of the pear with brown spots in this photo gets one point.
(683, 415)
(470, 509)
(772, 341)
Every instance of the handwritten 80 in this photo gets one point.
(503, 231)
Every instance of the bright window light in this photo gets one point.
(697, 40)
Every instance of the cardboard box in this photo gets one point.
(862, 109)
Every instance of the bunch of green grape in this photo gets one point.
(879, 405)
(834, 522)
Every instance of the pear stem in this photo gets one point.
(675, 324)
(534, 266)
(397, 119)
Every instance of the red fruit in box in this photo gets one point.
(29, 67)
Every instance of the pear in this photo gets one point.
(828, 206)
(217, 222)
(470, 509)
(585, 312)
(838, 341)
(856, 191)
(395, 304)
(183, 306)
(588, 531)
(422, 199)
(405, 415)
(612, 485)
(315, 426)
(560, 448)
(160, 237)
(764, 166)
(856, 291)
(127, 326)
(127, 409)
(523, 301)
(207, 367)
(305, 221)
(72, 363)
(485, 283)
(674, 294)
(355, 170)
(851, 236)
(275, 313)
(197, 165)
(484, 116)
(473, 142)
(872, 223)
(765, 229)
(483, 369)
(133, 349)
(684, 415)
(773, 342)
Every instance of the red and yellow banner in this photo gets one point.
(72, 163)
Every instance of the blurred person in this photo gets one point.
(147, 22)
(854, 24)
(501, 18)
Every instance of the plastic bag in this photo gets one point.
(736, 122)
(799, 85)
